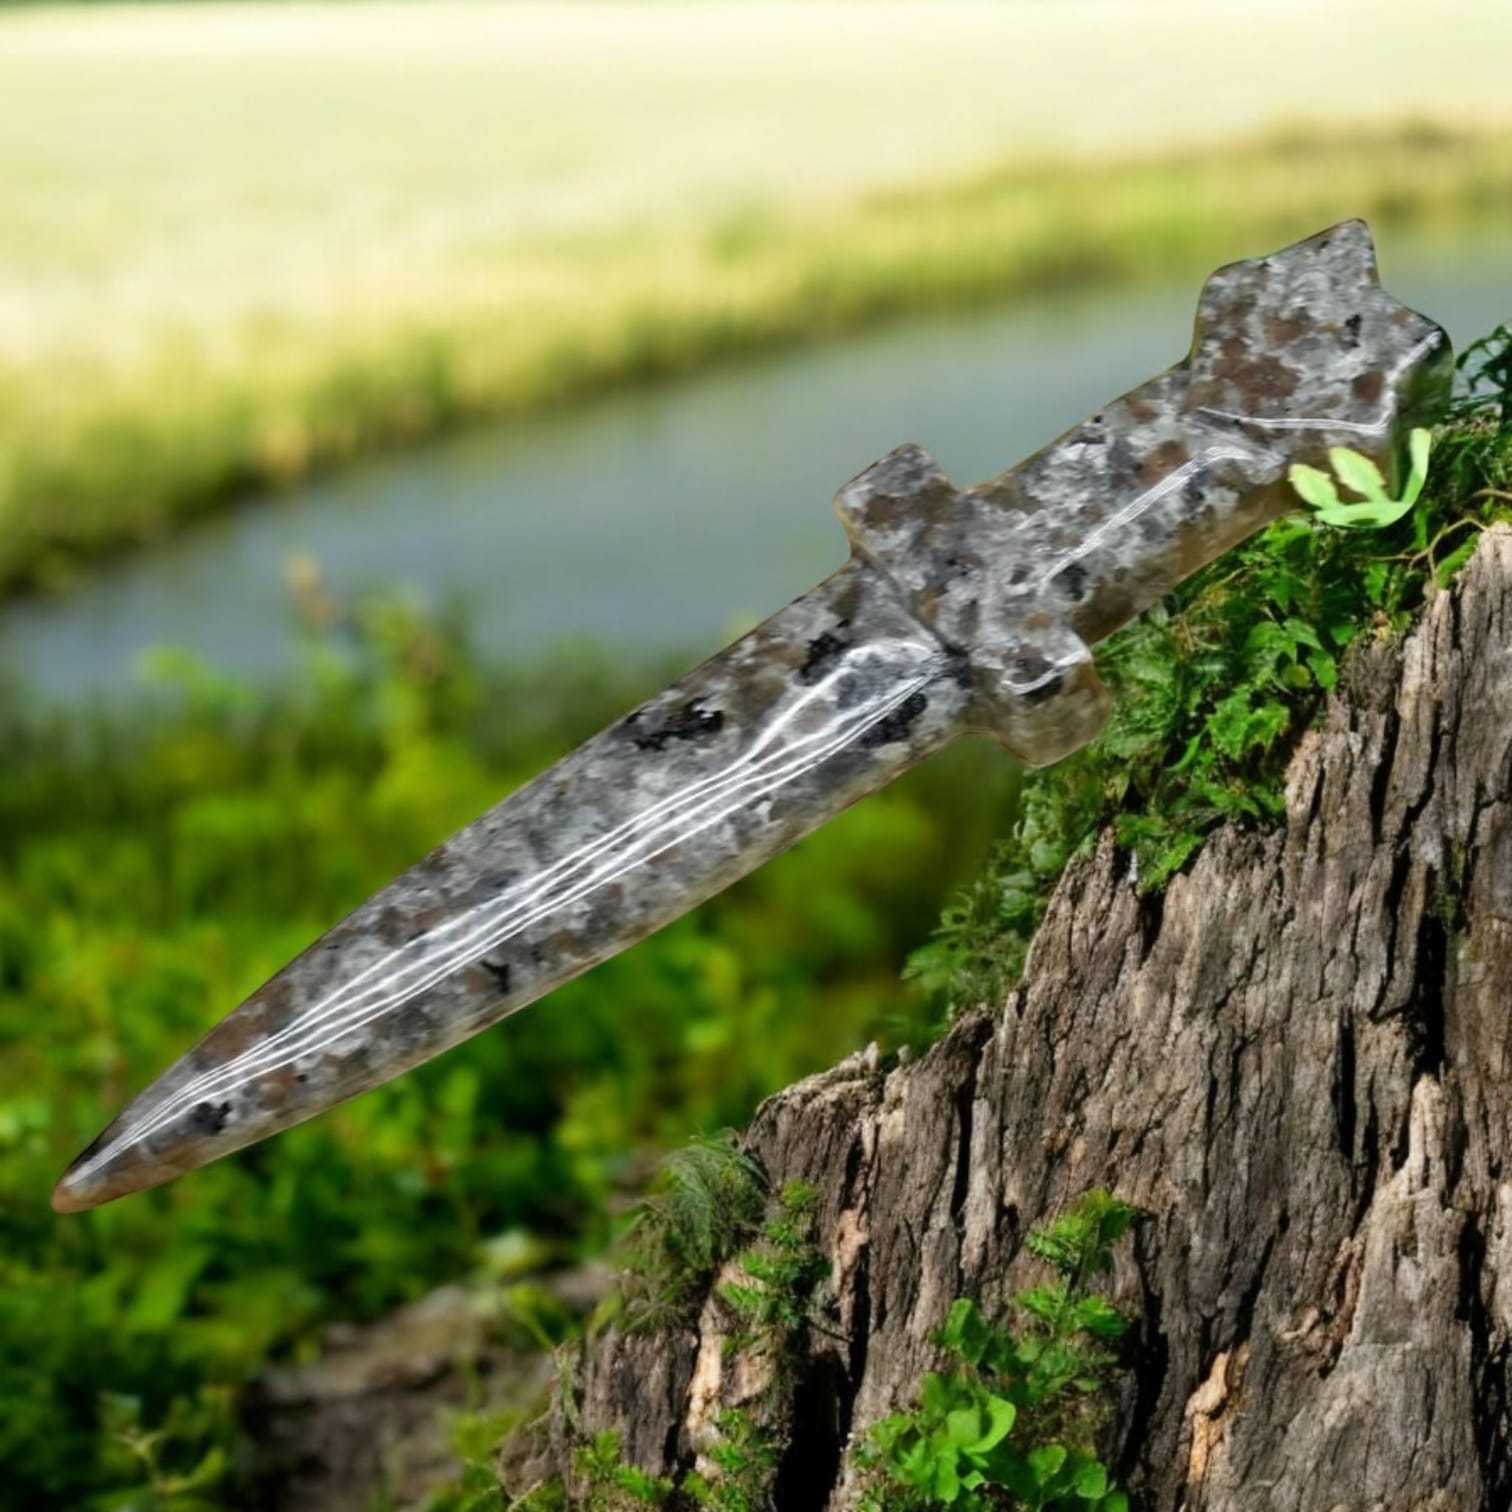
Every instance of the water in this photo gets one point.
(659, 520)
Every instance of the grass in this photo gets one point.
(242, 243)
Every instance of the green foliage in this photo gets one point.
(614, 1486)
(706, 1201)
(1013, 1420)
(1212, 688)
(1359, 474)
(547, 1497)
(475, 1490)
(180, 1465)
(782, 1273)
(744, 1457)
(157, 866)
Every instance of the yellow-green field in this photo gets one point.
(240, 241)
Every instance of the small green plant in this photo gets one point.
(744, 1457)
(1360, 475)
(782, 1272)
(1012, 1421)
(705, 1202)
(611, 1484)
(474, 1438)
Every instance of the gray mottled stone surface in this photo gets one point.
(959, 610)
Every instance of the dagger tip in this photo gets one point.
(78, 1188)
(70, 1197)
(107, 1169)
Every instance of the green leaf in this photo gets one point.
(165, 1289)
(1454, 561)
(1324, 668)
(1419, 444)
(947, 1480)
(1352, 516)
(1312, 486)
(1091, 1481)
(1098, 1316)
(963, 1426)
(1356, 471)
(1001, 1416)
(966, 1332)
(1045, 1462)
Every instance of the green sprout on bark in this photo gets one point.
(1375, 507)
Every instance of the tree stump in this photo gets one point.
(1295, 1060)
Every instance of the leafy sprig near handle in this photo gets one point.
(1360, 475)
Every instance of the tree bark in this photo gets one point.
(1295, 1061)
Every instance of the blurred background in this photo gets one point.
(390, 394)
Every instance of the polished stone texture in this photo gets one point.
(958, 611)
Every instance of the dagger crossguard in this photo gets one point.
(959, 610)
(1292, 354)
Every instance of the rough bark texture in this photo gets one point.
(1295, 1060)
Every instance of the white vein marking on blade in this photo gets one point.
(1145, 500)
(723, 790)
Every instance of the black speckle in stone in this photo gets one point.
(690, 722)
(895, 726)
(823, 652)
(1352, 325)
(209, 1118)
(499, 971)
(1073, 581)
(1193, 492)
(1123, 459)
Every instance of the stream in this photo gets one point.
(660, 519)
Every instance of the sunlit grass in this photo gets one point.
(237, 243)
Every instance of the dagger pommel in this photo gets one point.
(1292, 354)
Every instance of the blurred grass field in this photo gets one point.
(240, 241)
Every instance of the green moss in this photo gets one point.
(706, 1201)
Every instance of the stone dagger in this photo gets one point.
(959, 611)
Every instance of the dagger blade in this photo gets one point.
(958, 611)
(824, 703)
